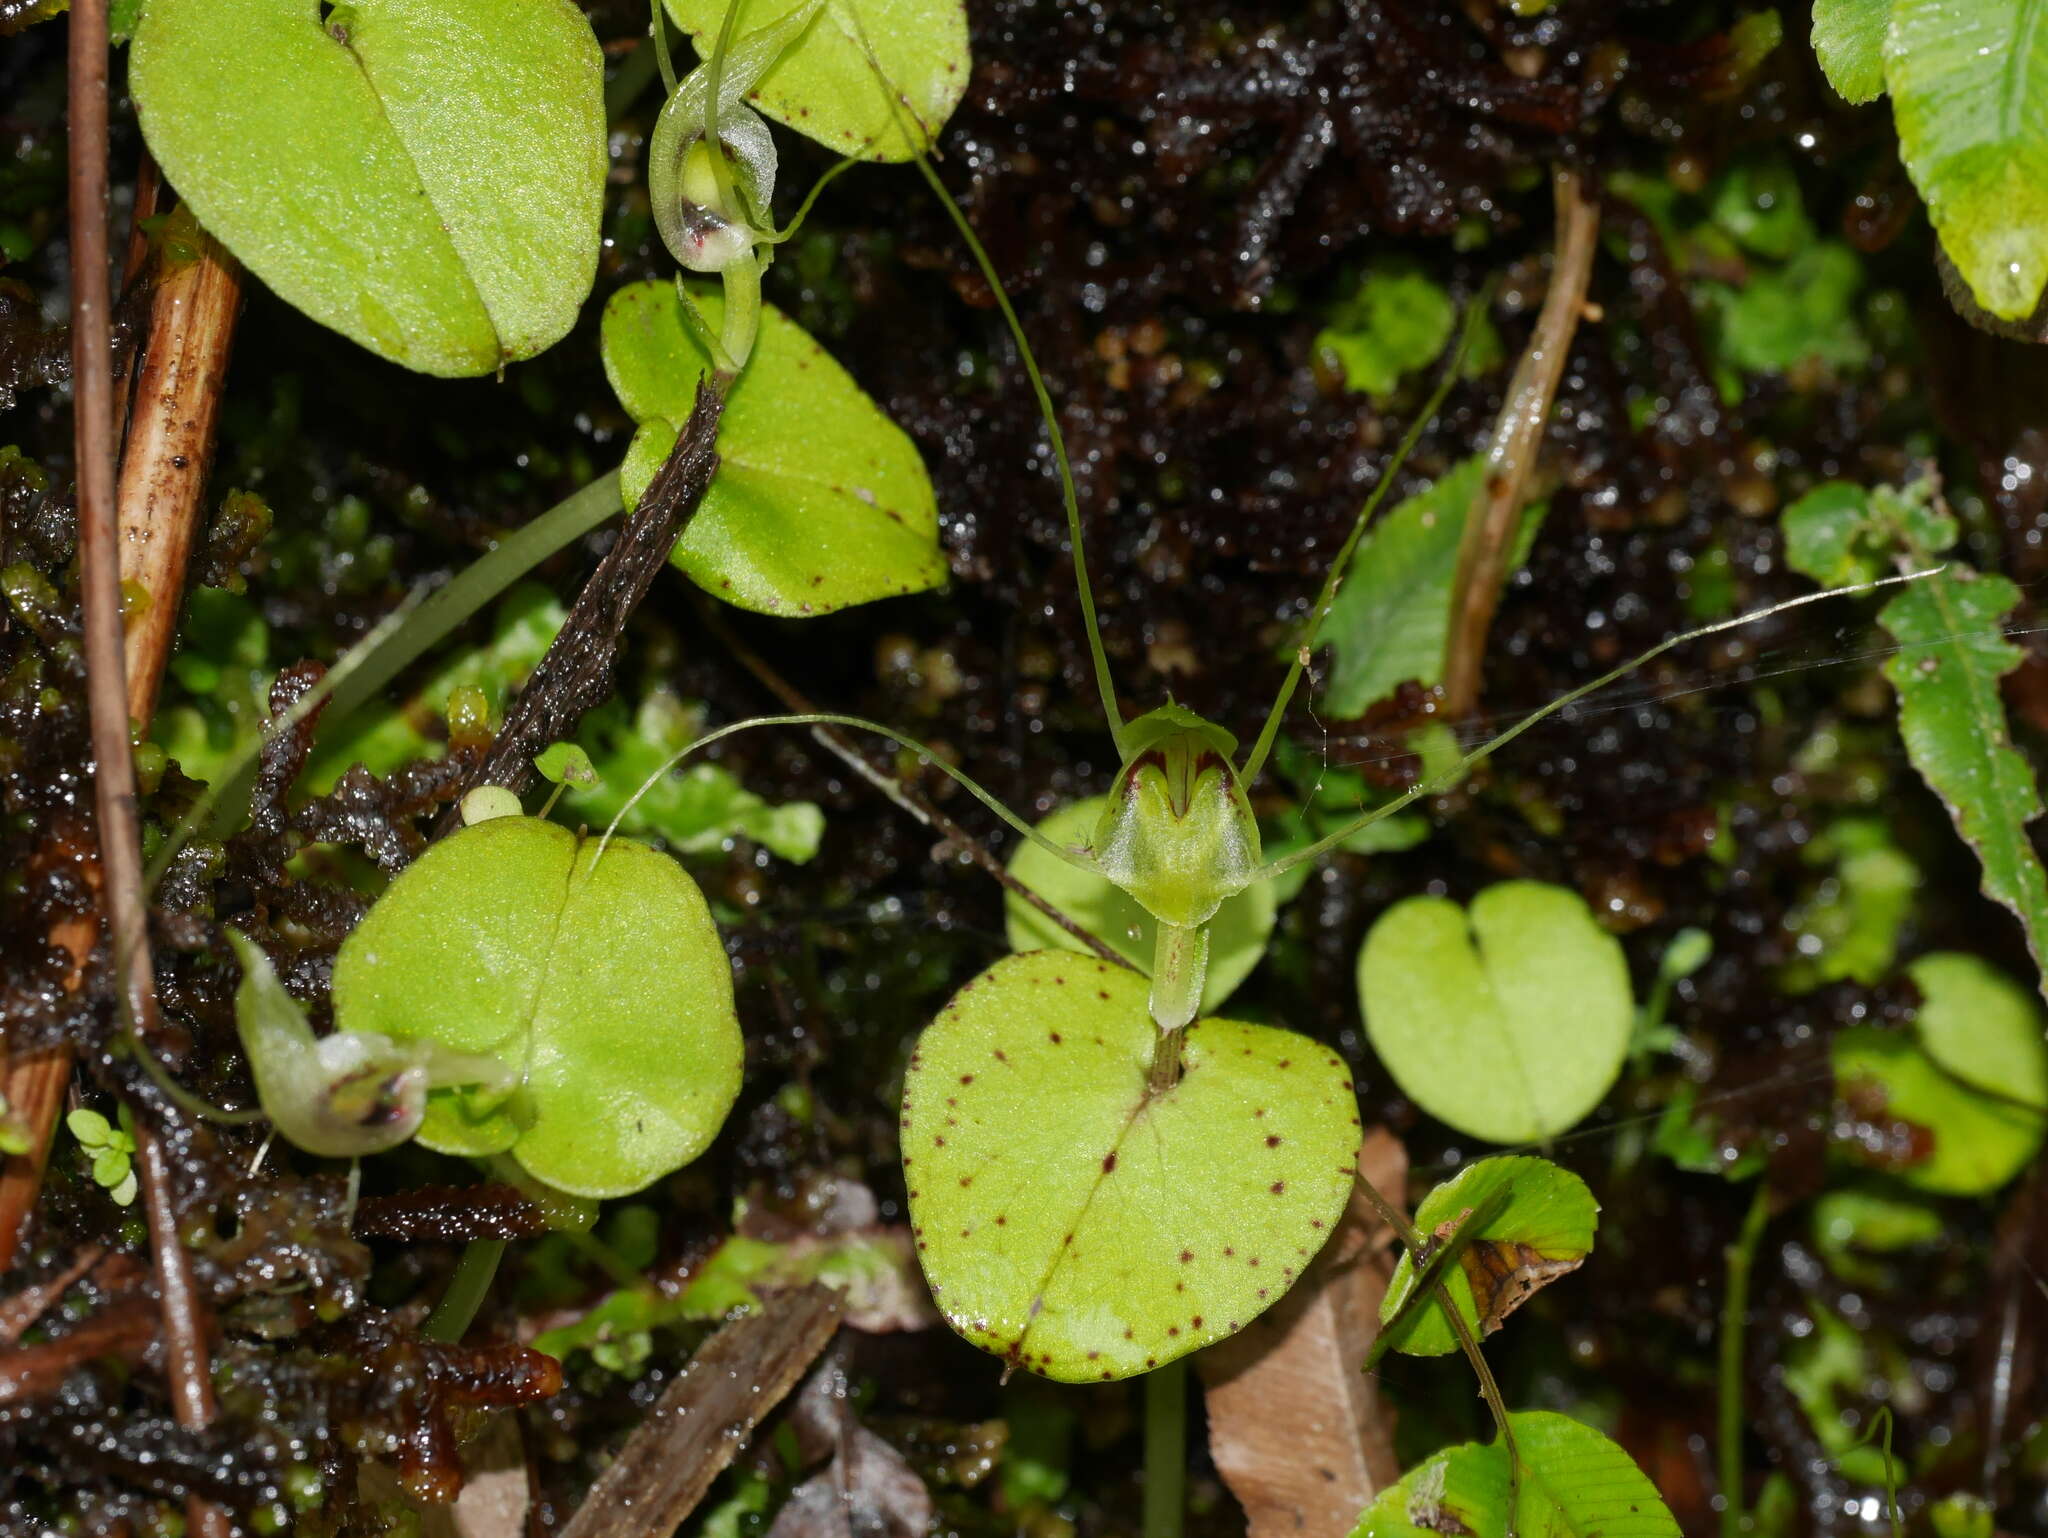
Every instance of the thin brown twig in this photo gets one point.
(576, 673)
(31, 1303)
(905, 795)
(1517, 441)
(114, 790)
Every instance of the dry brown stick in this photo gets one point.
(29, 1373)
(1517, 441)
(705, 1417)
(576, 673)
(114, 795)
(31, 1303)
(170, 445)
(163, 477)
(900, 791)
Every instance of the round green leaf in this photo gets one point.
(425, 176)
(1982, 1027)
(1511, 1025)
(1076, 1224)
(603, 980)
(820, 501)
(1237, 935)
(837, 83)
(1575, 1484)
(1979, 1142)
(1519, 1222)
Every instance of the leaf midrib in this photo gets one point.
(426, 191)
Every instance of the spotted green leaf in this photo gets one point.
(424, 176)
(820, 501)
(1848, 39)
(1237, 935)
(1575, 1484)
(836, 84)
(1510, 1022)
(1969, 88)
(1519, 1222)
(602, 980)
(1075, 1224)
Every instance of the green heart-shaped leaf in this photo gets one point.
(1237, 935)
(820, 501)
(1076, 1224)
(603, 980)
(425, 176)
(1973, 1076)
(1575, 1484)
(836, 83)
(1519, 1224)
(1982, 1026)
(1509, 1025)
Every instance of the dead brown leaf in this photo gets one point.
(1298, 1431)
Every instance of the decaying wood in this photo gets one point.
(1517, 440)
(576, 674)
(705, 1417)
(1298, 1431)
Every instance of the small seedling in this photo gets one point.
(110, 1147)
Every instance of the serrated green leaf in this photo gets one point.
(820, 501)
(1969, 88)
(1848, 39)
(1237, 935)
(1528, 1220)
(1082, 1227)
(1952, 652)
(1510, 1023)
(1575, 1484)
(424, 176)
(836, 85)
(604, 980)
(1393, 612)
